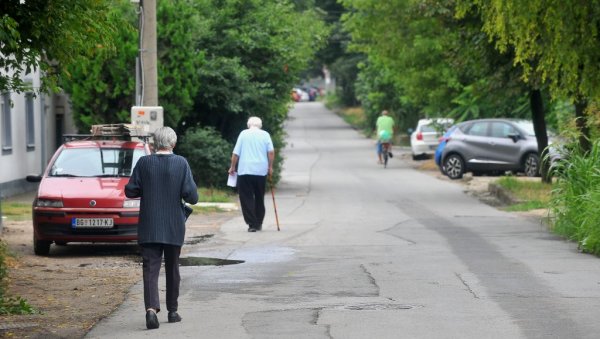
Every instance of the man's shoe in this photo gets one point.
(258, 228)
(151, 320)
(250, 229)
(174, 317)
(390, 154)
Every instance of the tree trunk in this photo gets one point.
(539, 126)
(582, 126)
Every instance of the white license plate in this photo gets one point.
(92, 223)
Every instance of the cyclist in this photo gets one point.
(385, 130)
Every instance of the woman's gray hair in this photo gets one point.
(254, 122)
(165, 138)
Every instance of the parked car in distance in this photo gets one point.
(81, 193)
(300, 95)
(442, 143)
(425, 138)
(491, 146)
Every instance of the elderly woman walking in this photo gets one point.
(161, 180)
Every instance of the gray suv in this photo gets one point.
(491, 146)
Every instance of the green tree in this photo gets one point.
(178, 29)
(441, 64)
(342, 64)
(219, 63)
(255, 50)
(403, 39)
(102, 88)
(555, 42)
(50, 35)
(434, 63)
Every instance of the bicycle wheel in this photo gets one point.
(385, 156)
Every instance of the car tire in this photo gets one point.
(415, 157)
(531, 165)
(454, 166)
(41, 247)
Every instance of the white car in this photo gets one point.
(425, 138)
(302, 94)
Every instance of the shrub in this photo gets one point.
(576, 199)
(208, 154)
(10, 305)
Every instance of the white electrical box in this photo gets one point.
(149, 118)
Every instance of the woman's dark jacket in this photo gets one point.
(161, 181)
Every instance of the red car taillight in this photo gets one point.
(419, 136)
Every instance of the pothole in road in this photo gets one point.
(198, 239)
(204, 261)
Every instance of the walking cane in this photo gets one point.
(274, 205)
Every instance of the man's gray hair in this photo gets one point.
(254, 122)
(165, 138)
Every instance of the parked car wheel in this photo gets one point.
(531, 165)
(41, 247)
(454, 166)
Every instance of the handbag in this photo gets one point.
(187, 210)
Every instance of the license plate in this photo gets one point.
(92, 222)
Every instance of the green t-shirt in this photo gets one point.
(385, 123)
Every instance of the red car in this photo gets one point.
(81, 194)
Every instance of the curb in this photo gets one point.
(503, 195)
(222, 205)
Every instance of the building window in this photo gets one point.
(29, 120)
(6, 123)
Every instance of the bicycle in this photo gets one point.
(385, 143)
(385, 149)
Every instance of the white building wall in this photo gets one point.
(21, 160)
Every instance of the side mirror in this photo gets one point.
(515, 137)
(33, 178)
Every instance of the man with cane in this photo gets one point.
(253, 156)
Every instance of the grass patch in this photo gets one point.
(533, 194)
(576, 199)
(354, 116)
(207, 209)
(215, 195)
(16, 210)
(526, 206)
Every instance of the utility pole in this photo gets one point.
(148, 54)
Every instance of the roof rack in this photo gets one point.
(111, 132)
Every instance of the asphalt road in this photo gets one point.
(367, 252)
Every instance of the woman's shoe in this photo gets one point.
(174, 317)
(151, 320)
